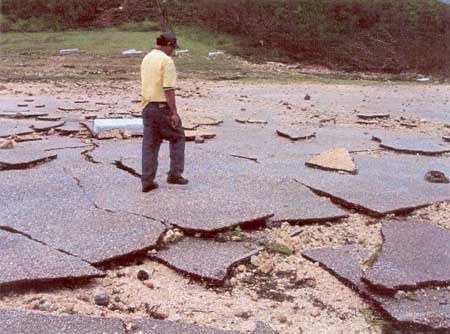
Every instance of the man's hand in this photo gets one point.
(170, 97)
(176, 121)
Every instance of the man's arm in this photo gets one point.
(171, 101)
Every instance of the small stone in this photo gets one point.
(254, 260)
(242, 268)
(7, 144)
(120, 274)
(112, 134)
(436, 177)
(131, 327)
(266, 267)
(172, 236)
(45, 306)
(70, 309)
(102, 300)
(199, 140)
(243, 315)
(126, 134)
(307, 97)
(83, 297)
(149, 285)
(314, 313)
(142, 275)
(281, 318)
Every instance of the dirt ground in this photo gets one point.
(290, 293)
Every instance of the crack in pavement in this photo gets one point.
(14, 231)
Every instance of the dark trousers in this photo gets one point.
(158, 127)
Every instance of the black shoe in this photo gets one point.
(177, 180)
(151, 187)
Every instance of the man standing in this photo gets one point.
(160, 115)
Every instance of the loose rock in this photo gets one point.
(142, 275)
(102, 300)
(436, 177)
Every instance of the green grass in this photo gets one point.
(103, 47)
(107, 41)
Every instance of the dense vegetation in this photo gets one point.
(381, 35)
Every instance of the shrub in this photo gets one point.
(381, 35)
(140, 26)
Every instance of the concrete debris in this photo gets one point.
(373, 116)
(133, 126)
(251, 121)
(182, 53)
(192, 135)
(334, 160)
(69, 51)
(132, 52)
(215, 54)
(295, 134)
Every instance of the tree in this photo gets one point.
(163, 15)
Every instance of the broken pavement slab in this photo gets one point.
(204, 209)
(10, 128)
(57, 212)
(21, 114)
(296, 134)
(25, 262)
(192, 135)
(30, 154)
(20, 322)
(213, 201)
(426, 308)
(46, 126)
(251, 121)
(49, 118)
(70, 128)
(20, 158)
(205, 259)
(151, 326)
(196, 122)
(373, 116)
(389, 184)
(334, 160)
(414, 255)
(411, 143)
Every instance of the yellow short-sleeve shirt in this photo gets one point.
(158, 73)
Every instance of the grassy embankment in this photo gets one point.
(35, 56)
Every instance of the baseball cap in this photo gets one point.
(167, 38)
